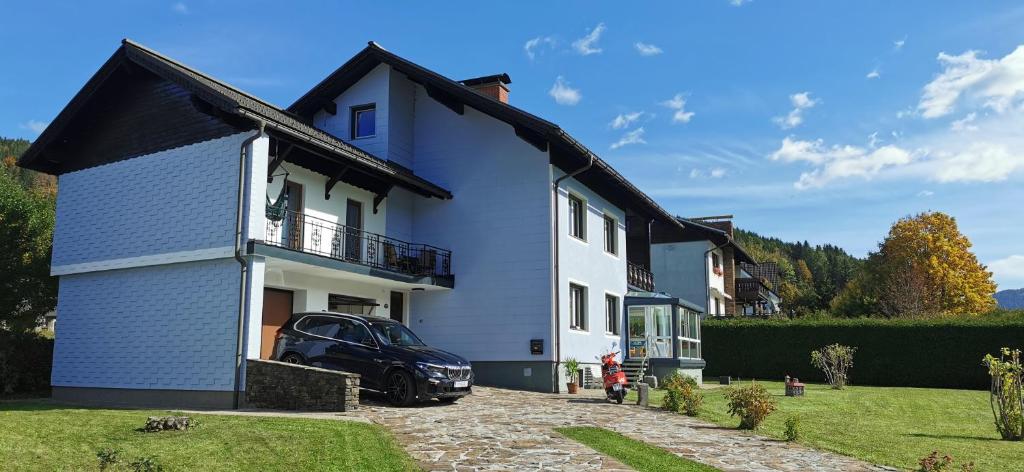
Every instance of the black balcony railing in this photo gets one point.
(639, 277)
(301, 232)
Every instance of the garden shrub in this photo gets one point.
(108, 458)
(835, 361)
(899, 353)
(682, 395)
(1006, 398)
(752, 404)
(25, 362)
(792, 432)
(935, 463)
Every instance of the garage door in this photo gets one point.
(277, 308)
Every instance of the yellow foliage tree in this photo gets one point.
(925, 267)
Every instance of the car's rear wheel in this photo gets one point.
(400, 390)
(292, 358)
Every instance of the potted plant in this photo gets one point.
(572, 369)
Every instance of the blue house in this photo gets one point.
(193, 219)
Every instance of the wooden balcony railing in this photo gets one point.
(639, 277)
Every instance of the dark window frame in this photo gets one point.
(577, 310)
(577, 217)
(611, 235)
(612, 315)
(354, 121)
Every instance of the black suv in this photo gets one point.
(387, 355)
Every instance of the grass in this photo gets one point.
(40, 436)
(884, 425)
(636, 454)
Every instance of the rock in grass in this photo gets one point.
(168, 423)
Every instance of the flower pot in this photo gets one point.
(573, 387)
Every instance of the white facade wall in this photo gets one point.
(372, 88)
(587, 264)
(679, 269)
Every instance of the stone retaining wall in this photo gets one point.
(276, 385)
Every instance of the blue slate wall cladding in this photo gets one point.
(159, 327)
(176, 200)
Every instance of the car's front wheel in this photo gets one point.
(400, 390)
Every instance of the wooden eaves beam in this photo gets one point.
(333, 181)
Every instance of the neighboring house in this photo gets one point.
(193, 219)
(700, 263)
(757, 289)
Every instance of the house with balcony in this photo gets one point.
(702, 263)
(193, 219)
(757, 289)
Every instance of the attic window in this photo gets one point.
(364, 121)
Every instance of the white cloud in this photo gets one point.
(563, 93)
(899, 43)
(925, 193)
(979, 162)
(587, 45)
(531, 47)
(801, 101)
(874, 74)
(34, 126)
(965, 123)
(838, 162)
(713, 173)
(678, 103)
(625, 119)
(1008, 271)
(633, 137)
(739, 3)
(647, 49)
(717, 173)
(997, 84)
(180, 7)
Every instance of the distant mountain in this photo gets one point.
(1012, 299)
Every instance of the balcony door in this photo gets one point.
(353, 230)
(291, 227)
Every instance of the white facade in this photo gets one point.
(686, 270)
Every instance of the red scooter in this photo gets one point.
(614, 378)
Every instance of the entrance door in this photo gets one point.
(277, 308)
(397, 306)
(353, 232)
(637, 327)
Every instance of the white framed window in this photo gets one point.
(611, 235)
(577, 217)
(577, 307)
(688, 334)
(364, 121)
(612, 318)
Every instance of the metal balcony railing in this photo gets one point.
(639, 277)
(301, 232)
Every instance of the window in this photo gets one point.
(688, 337)
(364, 121)
(718, 307)
(320, 326)
(350, 305)
(715, 262)
(577, 307)
(611, 235)
(354, 332)
(577, 217)
(611, 314)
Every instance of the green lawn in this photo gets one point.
(636, 454)
(885, 425)
(40, 436)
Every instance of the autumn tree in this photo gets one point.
(924, 267)
(27, 291)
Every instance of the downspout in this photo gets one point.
(244, 278)
(557, 285)
(707, 280)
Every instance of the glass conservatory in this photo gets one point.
(665, 331)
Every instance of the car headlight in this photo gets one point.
(432, 370)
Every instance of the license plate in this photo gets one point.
(616, 387)
(461, 383)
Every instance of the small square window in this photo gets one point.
(364, 121)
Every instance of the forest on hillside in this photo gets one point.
(811, 275)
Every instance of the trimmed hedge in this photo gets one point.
(902, 353)
(25, 363)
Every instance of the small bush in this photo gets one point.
(792, 432)
(682, 395)
(752, 404)
(1006, 396)
(25, 362)
(146, 464)
(934, 463)
(835, 360)
(108, 458)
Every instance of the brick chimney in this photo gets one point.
(494, 86)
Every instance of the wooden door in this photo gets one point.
(353, 232)
(277, 308)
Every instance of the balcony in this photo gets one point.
(312, 235)
(751, 290)
(639, 277)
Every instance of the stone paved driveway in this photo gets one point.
(496, 429)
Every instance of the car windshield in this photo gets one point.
(394, 334)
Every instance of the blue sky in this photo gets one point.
(807, 120)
